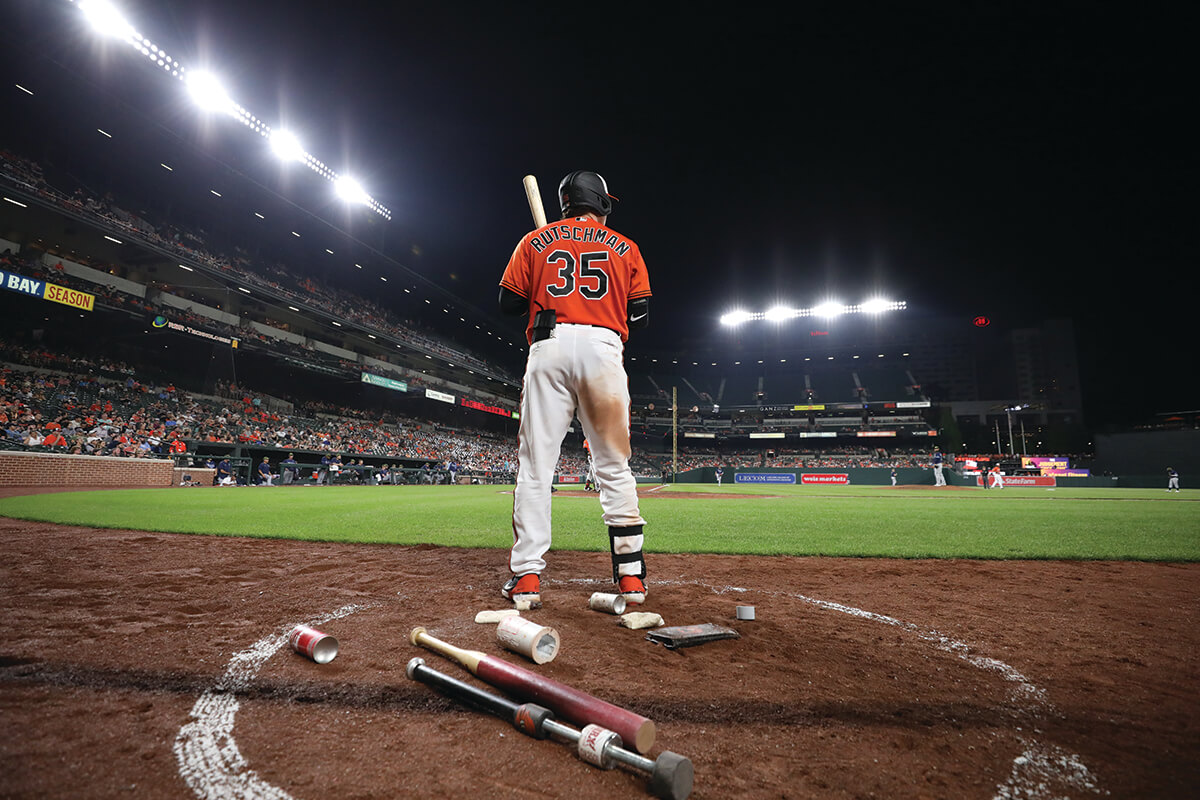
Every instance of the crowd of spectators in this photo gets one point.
(308, 290)
(74, 404)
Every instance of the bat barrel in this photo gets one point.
(459, 690)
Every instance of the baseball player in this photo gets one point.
(938, 463)
(583, 286)
(997, 480)
(589, 480)
(893, 476)
(720, 473)
(1172, 479)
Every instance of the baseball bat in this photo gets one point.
(671, 774)
(534, 196)
(572, 704)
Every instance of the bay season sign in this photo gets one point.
(387, 383)
(47, 291)
(764, 477)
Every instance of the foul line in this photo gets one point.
(208, 756)
(1039, 767)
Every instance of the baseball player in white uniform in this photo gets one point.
(583, 286)
(938, 464)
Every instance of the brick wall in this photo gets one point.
(55, 469)
(199, 475)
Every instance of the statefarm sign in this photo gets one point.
(1022, 480)
(825, 479)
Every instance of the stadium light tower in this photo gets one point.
(208, 93)
(735, 318)
(779, 314)
(826, 310)
(287, 146)
(830, 308)
(106, 19)
(351, 190)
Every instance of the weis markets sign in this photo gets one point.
(47, 291)
(825, 479)
(764, 477)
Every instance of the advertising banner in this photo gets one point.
(70, 297)
(478, 406)
(162, 322)
(387, 383)
(825, 479)
(441, 396)
(1045, 481)
(1042, 462)
(764, 477)
(20, 284)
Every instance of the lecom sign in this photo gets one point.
(825, 479)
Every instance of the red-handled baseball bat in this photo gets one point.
(569, 703)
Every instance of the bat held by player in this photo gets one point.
(534, 196)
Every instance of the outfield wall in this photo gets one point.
(856, 476)
(55, 469)
(912, 476)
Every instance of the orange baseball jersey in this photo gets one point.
(583, 270)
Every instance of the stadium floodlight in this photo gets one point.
(735, 318)
(827, 310)
(208, 93)
(830, 308)
(779, 314)
(287, 146)
(106, 19)
(351, 190)
(879, 305)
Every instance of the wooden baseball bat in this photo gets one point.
(568, 702)
(534, 196)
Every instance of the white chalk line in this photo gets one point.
(1040, 767)
(208, 756)
(213, 767)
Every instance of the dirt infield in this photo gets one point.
(153, 665)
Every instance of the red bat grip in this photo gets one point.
(569, 703)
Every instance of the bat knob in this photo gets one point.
(412, 666)
(416, 632)
(672, 776)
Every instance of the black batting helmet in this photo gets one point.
(584, 189)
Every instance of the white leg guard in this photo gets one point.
(626, 545)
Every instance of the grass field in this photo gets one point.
(1118, 524)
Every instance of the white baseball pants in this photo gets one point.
(580, 369)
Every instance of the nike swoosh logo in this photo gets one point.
(639, 316)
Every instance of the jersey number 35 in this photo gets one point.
(589, 271)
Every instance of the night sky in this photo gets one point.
(1022, 161)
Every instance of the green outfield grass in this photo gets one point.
(1122, 524)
